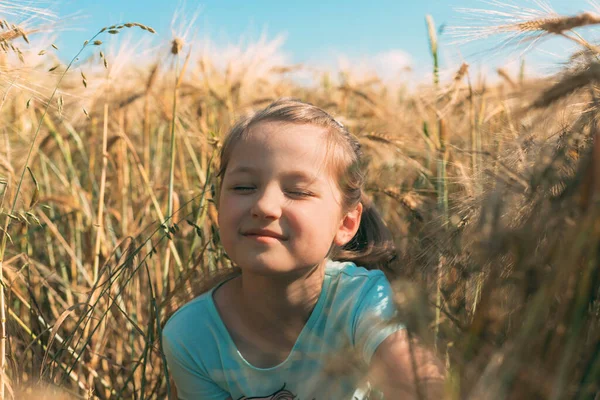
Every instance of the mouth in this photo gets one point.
(261, 234)
(263, 239)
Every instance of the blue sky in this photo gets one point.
(316, 31)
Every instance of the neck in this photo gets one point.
(285, 301)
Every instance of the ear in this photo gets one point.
(348, 226)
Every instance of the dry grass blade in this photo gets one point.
(57, 325)
(152, 77)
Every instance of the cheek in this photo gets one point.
(300, 219)
(229, 211)
(229, 223)
(315, 224)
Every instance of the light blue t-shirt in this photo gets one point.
(353, 313)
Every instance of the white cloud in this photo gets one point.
(389, 65)
(393, 63)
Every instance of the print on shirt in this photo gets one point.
(281, 394)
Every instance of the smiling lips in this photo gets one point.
(263, 233)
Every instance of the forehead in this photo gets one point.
(282, 145)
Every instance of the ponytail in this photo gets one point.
(373, 246)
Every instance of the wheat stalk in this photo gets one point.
(504, 75)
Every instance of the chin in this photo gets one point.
(274, 268)
(263, 264)
(266, 267)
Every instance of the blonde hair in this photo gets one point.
(372, 247)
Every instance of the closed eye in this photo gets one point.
(243, 188)
(300, 193)
(293, 193)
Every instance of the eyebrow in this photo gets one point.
(242, 168)
(298, 174)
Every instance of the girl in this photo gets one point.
(290, 203)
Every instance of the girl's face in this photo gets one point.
(279, 208)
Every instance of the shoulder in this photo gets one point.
(191, 342)
(190, 318)
(193, 335)
(355, 288)
(349, 269)
(350, 277)
(367, 299)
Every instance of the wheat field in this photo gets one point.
(108, 223)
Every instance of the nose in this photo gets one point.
(268, 203)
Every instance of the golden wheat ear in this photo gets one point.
(569, 84)
(557, 25)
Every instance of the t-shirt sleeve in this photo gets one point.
(373, 319)
(190, 380)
